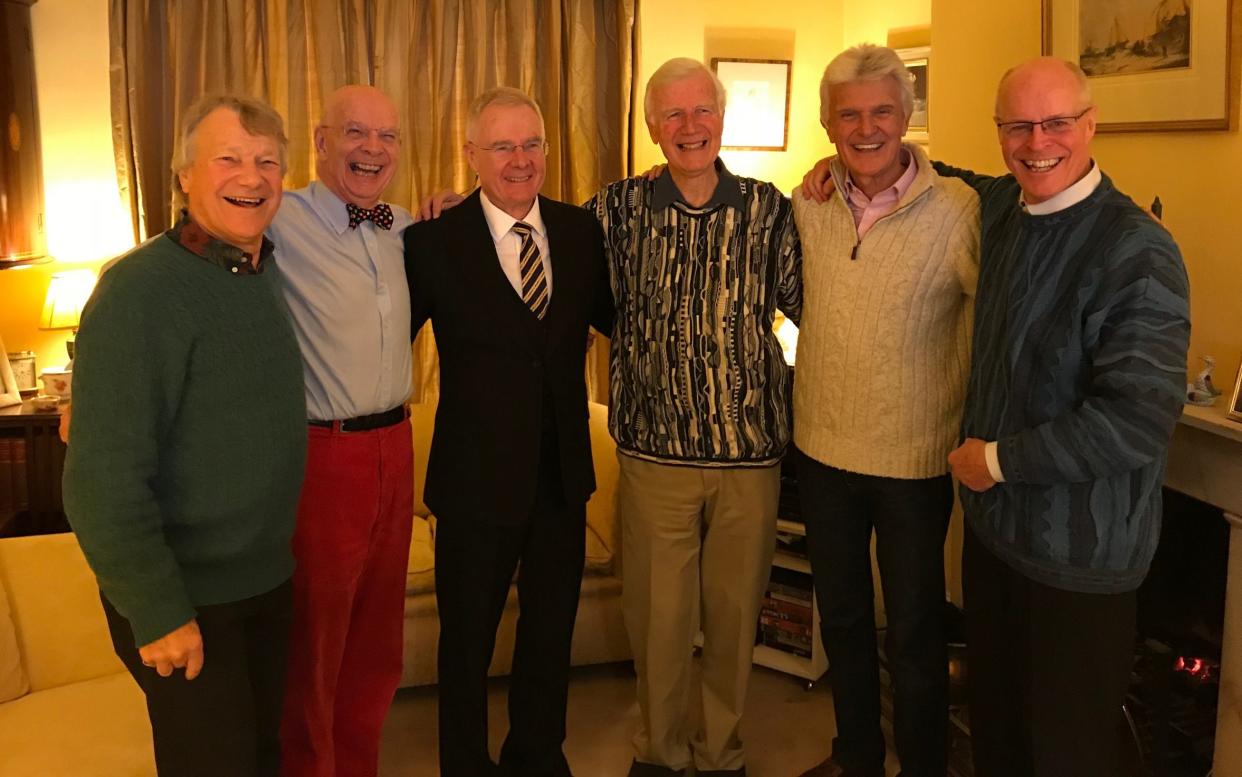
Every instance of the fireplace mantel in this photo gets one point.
(1205, 458)
(1205, 461)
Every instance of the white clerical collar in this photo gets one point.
(499, 223)
(1073, 195)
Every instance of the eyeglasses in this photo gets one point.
(358, 133)
(1057, 125)
(504, 150)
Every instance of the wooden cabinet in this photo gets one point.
(32, 459)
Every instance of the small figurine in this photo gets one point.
(1202, 392)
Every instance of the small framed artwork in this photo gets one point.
(917, 61)
(1235, 405)
(757, 108)
(1152, 64)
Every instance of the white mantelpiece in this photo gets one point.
(1205, 461)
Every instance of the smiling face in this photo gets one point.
(232, 184)
(866, 122)
(688, 123)
(510, 179)
(358, 145)
(1045, 164)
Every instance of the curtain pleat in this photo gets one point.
(575, 57)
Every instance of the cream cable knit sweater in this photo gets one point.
(884, 345)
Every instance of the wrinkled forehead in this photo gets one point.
(509, 122)
(368, 109)
(691, 91)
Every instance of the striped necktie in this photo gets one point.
(534, 283)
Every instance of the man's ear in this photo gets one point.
(321, 142)
(184, 177)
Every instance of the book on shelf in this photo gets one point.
(787, 610)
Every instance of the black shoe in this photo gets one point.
(739, 772)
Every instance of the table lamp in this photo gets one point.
(62, 307)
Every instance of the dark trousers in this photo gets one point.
(1048, 671)
(226, 720)
(910, 519)
(475, 561)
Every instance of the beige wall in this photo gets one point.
(86, 223)
(1194, 173)
(808, 32)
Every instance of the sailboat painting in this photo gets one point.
(1121, 37)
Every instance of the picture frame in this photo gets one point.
(1152, 66)
(10, 394)
(918, 61)
(757, 112)
(1235, 404)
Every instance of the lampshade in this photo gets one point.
(66, 296)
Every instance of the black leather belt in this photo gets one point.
(364, 423)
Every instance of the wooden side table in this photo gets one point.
(40, 510)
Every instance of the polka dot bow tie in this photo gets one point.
(381, 215)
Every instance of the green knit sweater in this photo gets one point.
(189, 436)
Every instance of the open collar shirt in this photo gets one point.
(349, 302)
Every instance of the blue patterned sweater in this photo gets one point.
(1082, 323)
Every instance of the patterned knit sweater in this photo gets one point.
(1081, 329)
(884, 343)
(697, 375)
(189, 436)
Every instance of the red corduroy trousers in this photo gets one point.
(352, 545)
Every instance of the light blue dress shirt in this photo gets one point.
(349, 301)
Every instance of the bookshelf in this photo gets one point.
(788, 633)
(31, 462)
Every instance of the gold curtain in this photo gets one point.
(575, 57)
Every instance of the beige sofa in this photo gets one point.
(599, 636)
(68, 708)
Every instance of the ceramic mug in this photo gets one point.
(57, 381)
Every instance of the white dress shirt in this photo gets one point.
(509, 243)
(349, 303)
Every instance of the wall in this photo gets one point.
(809, 32)
(1195, 173)
(86, 222)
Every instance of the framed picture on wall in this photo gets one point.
(757, 110)
(917, 61)
(1151, 64)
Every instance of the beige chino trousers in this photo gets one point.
(696, 550)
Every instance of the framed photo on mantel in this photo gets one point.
(1235, 404)
(1152, 65)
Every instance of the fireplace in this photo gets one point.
(1171, 707)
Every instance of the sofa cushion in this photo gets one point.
(602, 538)
(422, 419)
(98, 727)
(61, 630)
(13, 680)
(420, 576)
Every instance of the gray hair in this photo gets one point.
(865, 62)
(256, 117)
(1080, 78)
(505, 96)
(671, 72)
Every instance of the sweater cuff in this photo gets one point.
(992, 456)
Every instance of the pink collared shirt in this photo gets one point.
(868, 210)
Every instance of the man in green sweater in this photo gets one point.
(189, 440)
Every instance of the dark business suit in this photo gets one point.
(509, 472)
